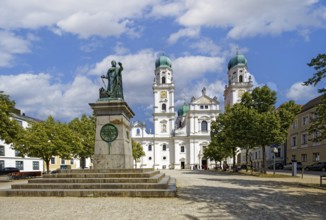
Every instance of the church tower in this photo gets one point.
(163, 91)
(239, 80)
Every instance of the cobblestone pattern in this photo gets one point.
(201, 195)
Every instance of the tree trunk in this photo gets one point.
(247, 152)
(234, 168)
(47, 163)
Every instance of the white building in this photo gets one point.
(178, 139)
(10, 158)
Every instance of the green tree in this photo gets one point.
(137, 151)
(243, 123)
(268, 128)
(215, 151)
(318, 124)
(84, 128)
(8, 128)
(47, 139)
(221, 142)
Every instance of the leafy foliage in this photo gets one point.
(318, 125)
(84, 128)
(137, 150)
(8, 128)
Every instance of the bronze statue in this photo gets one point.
(114, 88)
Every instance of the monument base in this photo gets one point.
(118, 153)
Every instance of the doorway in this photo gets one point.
(204, 164)
(182, 165)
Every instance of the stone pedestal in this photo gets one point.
(118, 153)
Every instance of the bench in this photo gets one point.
(322, 177)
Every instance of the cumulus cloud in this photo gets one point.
(207, 46)
(37, 95)
(11, 45)
(251, 18)
(183, 33)
(299, 92)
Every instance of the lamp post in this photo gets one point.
(275, 151)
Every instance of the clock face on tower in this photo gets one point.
(163, 94)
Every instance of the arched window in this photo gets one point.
(164, 147)
(163, 107)
(163, 80)
(241, 78)
(204, 126)
(149, 147)
(138, 132)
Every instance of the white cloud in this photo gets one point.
(188, 68)
(299, 92)
(11, 45)
(250, 18)
(38, 96)
(206, 45)
(186, 32)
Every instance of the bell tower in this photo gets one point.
(163, 91)
(239, 80)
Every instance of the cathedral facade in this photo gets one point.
(180, 137)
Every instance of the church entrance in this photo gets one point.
(182, 165)
(204, 164)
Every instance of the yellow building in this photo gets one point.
(300, 147)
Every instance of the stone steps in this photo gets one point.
(99, 183)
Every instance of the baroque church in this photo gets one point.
(179, 138)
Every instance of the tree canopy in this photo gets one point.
(137, 150)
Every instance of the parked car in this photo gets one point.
(8, 170)
(319, 166)
(289, 166)
(278, 166)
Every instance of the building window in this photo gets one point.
(164, 158)
(138, 132)
(2, 150)
(294, 141)
(304, 157)
(63, 161)
(201, 107)
(17, 153)
(20, 165)
(52, 160)
(206, 106)
(149, 147)
(163, 80)
(36, 165)
(295, 124)
(163, 128)
(304, 120)
(2, 164)
(304, 139)
(164, 147)
(150, 158)
(71, 161)
(182, 149)
(315, 156)
(164, 107)
(240, 78)
(293, 157)
(204, 126)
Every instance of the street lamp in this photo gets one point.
(275, 151)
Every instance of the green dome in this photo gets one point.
(237, 60)
(183, 110)
(163, 61)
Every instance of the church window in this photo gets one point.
(163, 107)
(149, 147)
(204, 126)
(201, 107)
(206, 106)
(164, 147)
(163, 127)
(241, 78)
(182, 149)
(163, 80)
(138, 132)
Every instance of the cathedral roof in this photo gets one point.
(238, 59)
(204, 99)
(163, 61)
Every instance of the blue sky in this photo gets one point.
(53, 54)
